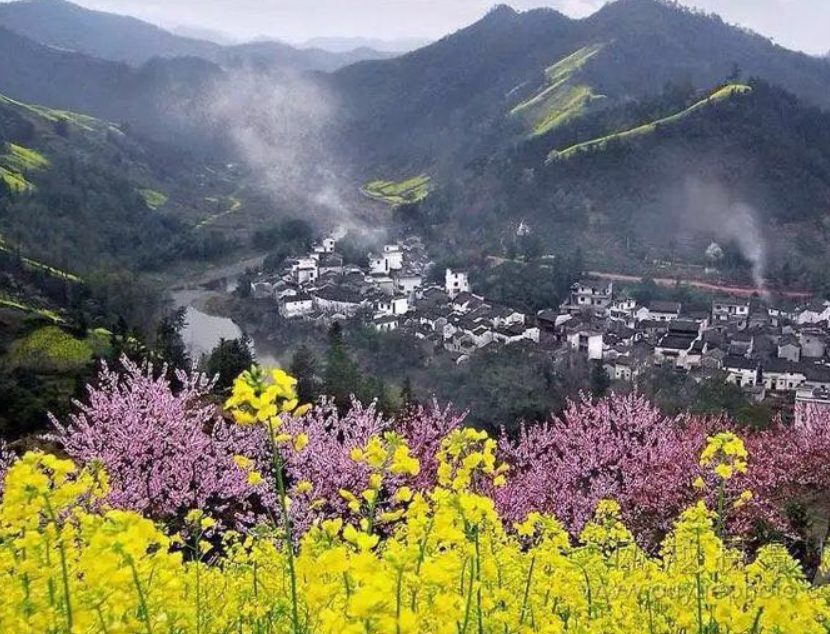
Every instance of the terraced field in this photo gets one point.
(16, 162)
(647, 128)
(90, 124)
(411, 190)
(153, 198)
(234, 205)
(15, 304)
(40, 266)
(562, 97)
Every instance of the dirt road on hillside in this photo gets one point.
(741, 291)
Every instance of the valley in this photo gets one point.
(527, 168)
(523, 328)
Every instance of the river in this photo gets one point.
(203, 332)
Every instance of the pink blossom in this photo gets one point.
(620, 447)
(165, 453)
(325, 461)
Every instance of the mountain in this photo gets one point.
(154, 98)
(447, 96)
(204, 34)
(69, 27)
(346, 44)
(461, 96)
(282, 57)
(79, 193)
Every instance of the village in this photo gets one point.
(768, 352)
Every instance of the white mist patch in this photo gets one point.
(281, 128)
(712, 210)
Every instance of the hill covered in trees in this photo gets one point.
(445, 104)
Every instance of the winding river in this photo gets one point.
(203, 332)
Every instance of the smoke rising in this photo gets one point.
(281, 127)
(711, 209)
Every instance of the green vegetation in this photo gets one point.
(153, 198)
(40, 266)
(234, 205)
(16, 182)
(647, 128)
(560, 99)
(15, 162)
(51, 350)
(410, 190)
(14, 304)
(55, 115)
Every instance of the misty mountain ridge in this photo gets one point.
(487, 112)
(448, 102)
(70, 27)
(346, 44)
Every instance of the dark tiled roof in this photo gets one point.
(676, 342)
(740, 363)
(684, 326)
(336, 294)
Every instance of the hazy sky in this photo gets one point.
(799, 24)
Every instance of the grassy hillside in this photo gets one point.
(748, 169)
(562, 96)
(720, 94)
(529, 73)
(16, 162)
(81, 193)
(410, 190)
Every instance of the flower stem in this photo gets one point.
(276, 466)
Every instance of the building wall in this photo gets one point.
(790, 353)
(456, 283)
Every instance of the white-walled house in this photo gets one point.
(408, 282)
(775, 374)
(385, 323)
(815, 313)
(732, 309)
(620, 369)
(303, 270)
(393, 254)
(456, 282)
(594, 295)
(398, 305)
(741, 371)
(333, 300)
(296, 306)
(378, 264)
(587, 341)
(664, 311)
(326, 245)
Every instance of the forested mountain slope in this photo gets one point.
(153, 98)
(448, 102)
(749, 170)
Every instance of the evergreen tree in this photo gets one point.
(375, 389)
(341, 378)
(228, 360)
(304, 368)
(407, 393)
(600, 381)
(169, 344)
